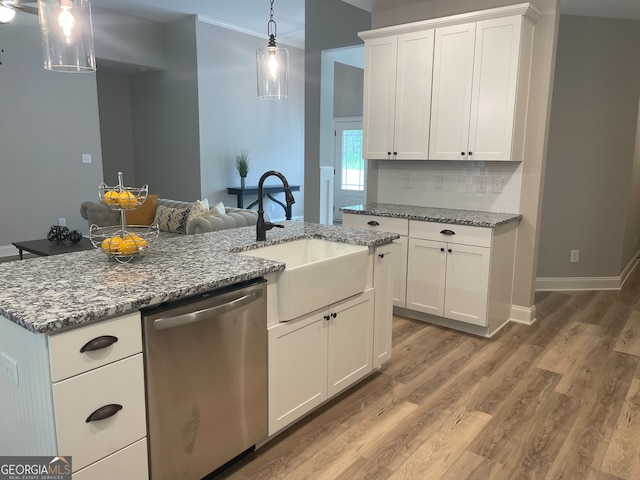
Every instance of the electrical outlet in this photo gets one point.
(407, 181)
(9, 367)
(438, 182)
(496, 185)
(86, 158)
(62, 222)
(481, 185)
(575, 256)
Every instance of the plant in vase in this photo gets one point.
(242, 166)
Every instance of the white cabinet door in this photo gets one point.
(386, 258)
(399, 272)
(350, 339)
(426, 273)
(413, 96)
(493, 98)
(297, 369)
(452, 84)
(467, 284)
(379, 97)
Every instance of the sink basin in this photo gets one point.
(318, 273)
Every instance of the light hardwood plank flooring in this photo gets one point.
(556, 400)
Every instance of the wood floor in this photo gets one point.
(556, 400)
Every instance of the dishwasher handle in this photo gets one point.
(205, 313)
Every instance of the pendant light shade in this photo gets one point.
(67, 35)
(6, 14)
(272, 63)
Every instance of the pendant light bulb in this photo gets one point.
(66, 22)
(273, 64)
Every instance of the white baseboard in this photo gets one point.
(526, 315)
(8, 251)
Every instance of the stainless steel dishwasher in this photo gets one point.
(206, 380)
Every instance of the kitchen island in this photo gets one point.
(55, 310)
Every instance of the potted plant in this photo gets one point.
(242, 166)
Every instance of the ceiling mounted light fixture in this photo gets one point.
(273, 66)
(67, 35)
(6, 13)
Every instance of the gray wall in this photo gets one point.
(330, 24)
(114, 102)
(232, 117)
(591, 183)
(47, 121)
(348, 82)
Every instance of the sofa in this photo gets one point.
(168, 212)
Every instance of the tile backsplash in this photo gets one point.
(484, 186)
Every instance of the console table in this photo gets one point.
(267, 191)
(45, 248)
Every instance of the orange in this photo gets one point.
(111, 197)
(111, 244)
(127, 199)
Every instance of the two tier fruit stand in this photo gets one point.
(123, 242)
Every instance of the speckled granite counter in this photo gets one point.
(46, 294)
(440, 215)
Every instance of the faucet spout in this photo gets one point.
(261, 225)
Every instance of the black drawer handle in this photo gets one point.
(447, 232)
(381, 255)
(373, 223)
(104, 412)
(327, 317)
(334, 315)
(99, 343)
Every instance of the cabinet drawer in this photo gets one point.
(463, 234)
(373, 222)
(65, 348)
(130, 462)
(75, 399)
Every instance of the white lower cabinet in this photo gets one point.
(317, 355)
(128, 463)
(449, 280)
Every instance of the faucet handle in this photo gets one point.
(269, 225)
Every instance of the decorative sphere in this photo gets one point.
(57, 234)
(74, 236)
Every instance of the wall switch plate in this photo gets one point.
(86, 158)
(9, 367)
(496, 185)
(62, 222)
(481, 185)
(575, 256)
(438, 182)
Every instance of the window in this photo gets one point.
(352, 161)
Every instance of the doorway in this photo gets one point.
(349, 166)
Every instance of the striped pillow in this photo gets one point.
(172, 220)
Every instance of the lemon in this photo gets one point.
(111, 197)
(111, 244)
(128, 247)
(127, 199)
(138, 240)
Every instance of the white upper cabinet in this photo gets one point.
(451, 88)
(397, 96)
(476, 80)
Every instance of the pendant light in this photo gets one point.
(273, 66)
(67, 35)
(6, 14)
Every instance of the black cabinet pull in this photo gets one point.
(104, 412)
(373, 223)
(334, 315)
(389, 153)
(447, 232)
(98, 343)
(327, 317)
(381, 255)
(450, 251)
(470, 153)
(442, 249)
(395, 153)
(462, 153)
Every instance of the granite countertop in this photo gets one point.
(46, 294)
(431, 214)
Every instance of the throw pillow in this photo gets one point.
(172, 220)
(145, 213)
(218, 209)
(200, 208)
